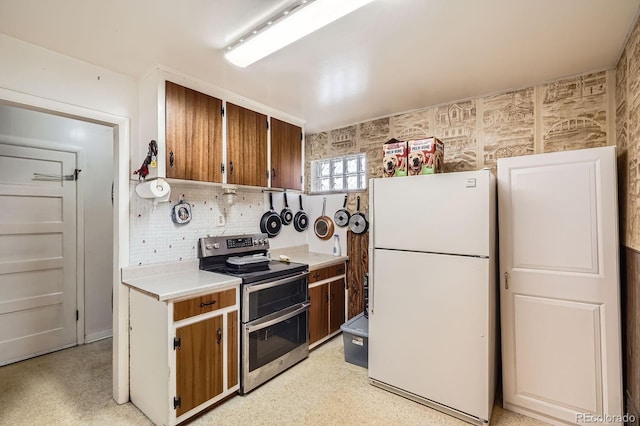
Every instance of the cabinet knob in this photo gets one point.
(171, 159)
(230, 167)
(273, 173)
(219, 332)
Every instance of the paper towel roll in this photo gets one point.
(157, 188)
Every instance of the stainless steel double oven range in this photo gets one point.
(274, 304)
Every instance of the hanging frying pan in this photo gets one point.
(341, 217)
(301, 220)
(323, 226)
(358, 223)
(286, 214)
(270, 223)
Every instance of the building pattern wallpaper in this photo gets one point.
(572, 114)
(507, 124)
(628, 134)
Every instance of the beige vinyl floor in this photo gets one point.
(73, 387)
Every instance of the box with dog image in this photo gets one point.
(394, 158)
(425, 156)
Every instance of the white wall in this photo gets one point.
(94, 144)
(30, 69)
(314, 210)
(36, 76)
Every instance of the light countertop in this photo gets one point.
(301, 254)
(169, 281)
(174, 280)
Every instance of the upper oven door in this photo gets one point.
(261, 299)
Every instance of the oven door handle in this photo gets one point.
(259, 325)
(257, 287)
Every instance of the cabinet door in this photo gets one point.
(199, 374)
(246, 146)
(286, 155)
(318, 312)
(193, 134)
(336, 305)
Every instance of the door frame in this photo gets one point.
(80, 164)
(121, 128)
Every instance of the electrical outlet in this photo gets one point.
(220, 221)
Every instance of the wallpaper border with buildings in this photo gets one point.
(571, 113)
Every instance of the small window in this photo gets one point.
(346, 173)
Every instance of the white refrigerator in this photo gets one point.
(432, 290)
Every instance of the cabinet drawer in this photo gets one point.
(203, 304)
(326, 272)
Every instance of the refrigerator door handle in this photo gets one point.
(370, 296)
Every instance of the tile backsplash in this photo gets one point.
(155, 238)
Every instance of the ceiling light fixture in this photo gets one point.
(299, 20)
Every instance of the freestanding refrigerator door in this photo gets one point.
(451, 213)
(429, 328)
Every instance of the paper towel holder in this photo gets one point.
(156, 189)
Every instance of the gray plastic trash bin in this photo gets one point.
(355, 335)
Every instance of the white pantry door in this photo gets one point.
(37, 253)
(559, 293)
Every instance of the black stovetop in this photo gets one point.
(270, 271)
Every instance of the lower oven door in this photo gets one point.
(273, 344)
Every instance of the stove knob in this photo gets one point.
(209, 246)
(255, 242)
(216, 245)
(261, 242)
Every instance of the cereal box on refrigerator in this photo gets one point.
(425, 156)
(394, 158)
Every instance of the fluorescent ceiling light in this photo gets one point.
(292, 24)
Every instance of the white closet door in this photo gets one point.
(37, 253)
(560, 302)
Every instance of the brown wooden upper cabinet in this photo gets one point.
(286, 155)
(246, 146)
(193, 134)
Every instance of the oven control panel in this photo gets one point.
(239, 242)
(232, 244)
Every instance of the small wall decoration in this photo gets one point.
(181, 212)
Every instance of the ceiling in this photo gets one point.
(390, 56)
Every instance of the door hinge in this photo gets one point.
(222, 111)
(177, 402)
(222, 168)
(77, 315)
(267, 174)
(267, 124)
(300, 178)
(176, 343)
(301, 136)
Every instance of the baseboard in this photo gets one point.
(94, 337)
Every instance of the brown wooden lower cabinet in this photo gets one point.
(179, 370)
(327, 300)
(199, 370)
